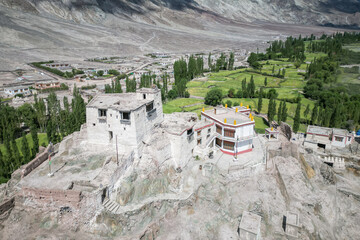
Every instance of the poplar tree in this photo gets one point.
(260, 101)
(16, 155)
(314, 114)
(271, 110)
(35, 140)
(210, 62)
(307, 111)
(25, 149)
(243, 88)
(284, 112)
(279, 113)
(297, 118)
(231, 61)
(251, 91)
(265, 82)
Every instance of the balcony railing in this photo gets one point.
(151, 112)
(125, 121)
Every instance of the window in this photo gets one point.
(339, 139)
(218, 142)
(230, 133)
(102, 112)
(190, 131)
(229, 145)
(149, 107)
(218, 129)
(199, 132)
(349, 139)
(209, 130)
(144, 96)
(125, 115)
(94, 124)
(199, 141)
(111, 135)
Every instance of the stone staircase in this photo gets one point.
(111, 206)
(115, 208)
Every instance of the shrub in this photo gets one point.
(213, 97)
(187, 94)
(229, 103)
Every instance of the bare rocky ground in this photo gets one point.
(151, 200)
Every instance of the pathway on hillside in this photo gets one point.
(197, 97)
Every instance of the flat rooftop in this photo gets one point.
(230, 114)
(177, 123)
(250, 222)
(118, 101)
(341, 132)
(319, 130)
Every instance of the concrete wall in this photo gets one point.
(7, 205)
(182, 148)
(129, 134)
(338, 143)
(59, 197)
(205, 135)
(37, 161)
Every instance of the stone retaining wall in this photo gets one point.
(7, 205)
(35, 162)
(56, 196)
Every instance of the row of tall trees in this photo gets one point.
(115, 87)
(222, 63)
(184, 72)
(45, 115)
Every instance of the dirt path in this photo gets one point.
(197, 97)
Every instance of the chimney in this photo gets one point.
(215, 111)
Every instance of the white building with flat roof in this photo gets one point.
(14, 90)
(326, 138)
(124, 120)
(233, 128)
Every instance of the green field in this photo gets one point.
(350, 81)
(42, 141)
(355, 47)
(183, 105)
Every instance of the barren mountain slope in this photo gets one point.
(33, 30)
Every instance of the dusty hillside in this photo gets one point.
(324, 12)
(32, 30)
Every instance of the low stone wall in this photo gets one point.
(35, 162)
(58, 197)
(7, 205)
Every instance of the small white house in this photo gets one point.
(25, 90)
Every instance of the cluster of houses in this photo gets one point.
(26, 88)
(126, 121)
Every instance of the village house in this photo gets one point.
(46, 84)
(326, 138)
(14, 90)
(124, 120)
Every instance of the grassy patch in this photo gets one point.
(42, 140)
(179, 104)
(260, 125)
